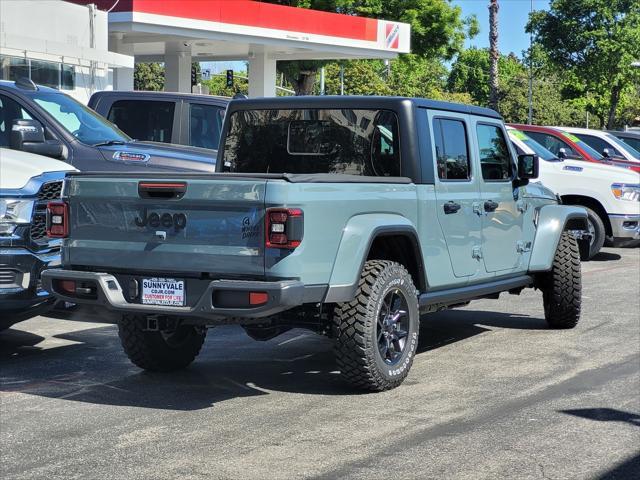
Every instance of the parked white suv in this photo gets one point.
(27, 183)
(605, 143)
(610, 194)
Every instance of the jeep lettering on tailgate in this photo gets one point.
(153, 219)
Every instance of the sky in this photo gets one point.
(512, 18)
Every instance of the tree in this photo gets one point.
(438, 30)
(148, 76)
(471, 70)
(494, 54)
(595, 43)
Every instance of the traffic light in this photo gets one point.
(194, 75)
(229, 78)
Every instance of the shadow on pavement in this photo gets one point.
(627, 470)
(605, 257)
(605, 415)
(91, 366)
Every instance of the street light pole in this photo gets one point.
(530, 116)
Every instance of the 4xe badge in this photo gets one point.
(167, 220)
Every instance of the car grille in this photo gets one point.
(39, 226)
(50, 191)
(7, 277)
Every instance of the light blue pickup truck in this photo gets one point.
(349, 216)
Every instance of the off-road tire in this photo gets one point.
(355, 326)
(599, 234)
(150, 351)
(562, 286)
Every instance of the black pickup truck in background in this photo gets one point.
(167, 117)
(45, 121)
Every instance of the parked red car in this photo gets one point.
(566, 145)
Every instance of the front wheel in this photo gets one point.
(562, 286)
(377, 333)
(163, 350)
(597, 231)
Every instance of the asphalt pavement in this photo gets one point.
(492, 394)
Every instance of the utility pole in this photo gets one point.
(341, 79)
(494, 54)
(530, 117)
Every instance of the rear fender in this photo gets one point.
(552, 220)
(355, 244)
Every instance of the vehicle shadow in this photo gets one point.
(605, 257)
(89, 365)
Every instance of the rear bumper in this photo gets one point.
(625, 229)
(282, 295)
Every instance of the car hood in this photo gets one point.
(17, 168)
(614, 172)
(164, 154)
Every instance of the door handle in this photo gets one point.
(451, 207)
(490, 206)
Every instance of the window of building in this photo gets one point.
(144, 119)
(495, 158)
(49, 74)
(205, 122)
(452, 152)
(45, 73)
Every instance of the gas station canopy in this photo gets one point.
(178, 32)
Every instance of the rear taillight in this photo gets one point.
(57, 220)
(284, 227)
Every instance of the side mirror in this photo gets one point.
(28, 135)
(528, 166)
(562, 153)
(606, 153)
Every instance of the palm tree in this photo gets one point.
(494, 54)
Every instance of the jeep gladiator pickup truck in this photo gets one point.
(348, 216)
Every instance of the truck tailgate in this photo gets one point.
(186, 225)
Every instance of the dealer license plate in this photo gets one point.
(163, 291)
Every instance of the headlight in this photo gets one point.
(13, 212)
(625, 191)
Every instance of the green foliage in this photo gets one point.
(148, 76)
(470, 73)
(217, 85)
(595, 43)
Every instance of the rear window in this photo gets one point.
(345, 141)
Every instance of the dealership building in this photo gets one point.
(85, 46)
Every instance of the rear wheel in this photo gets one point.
(377, 333)
(162, 350)
(597, 231)
(562, 286)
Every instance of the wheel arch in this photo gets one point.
(380, 237)
(551, 221)
(591, 203)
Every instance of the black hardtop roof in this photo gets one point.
(362, 102)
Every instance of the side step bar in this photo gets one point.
(470, 292)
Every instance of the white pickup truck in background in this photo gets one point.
(610, 194)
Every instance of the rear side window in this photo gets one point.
(452, 152)
(554, 144)
(495, 158)
(598, 144)
(345, 141)
(10, 110)
(205, 122)
(144, 119)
